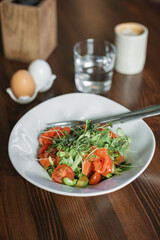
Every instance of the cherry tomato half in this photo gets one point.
(62, 171)
(95, 178)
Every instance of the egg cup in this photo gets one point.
(49, 85)
(23, 99)
(28, 99)
(43, 77)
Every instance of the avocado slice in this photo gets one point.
(69, 182)
(82, 182)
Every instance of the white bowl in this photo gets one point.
(23, 142)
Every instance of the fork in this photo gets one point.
(115, 119)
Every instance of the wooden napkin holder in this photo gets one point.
(29, 32)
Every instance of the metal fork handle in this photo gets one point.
(134, 115)
(71, 123)
(120, 118)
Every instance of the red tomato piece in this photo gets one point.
(98, 165)
(56, 131)
(45, 162)
(57, 160)
(113, 135)
(62, 131)
(43, 149)
(45, 139)
(44, 155)
(105, 173)
(104, 162)
(95, 178)
(51, 152)
(87, 167)
(62, 171)
(44, 159)
(66, 129)
(119, 159)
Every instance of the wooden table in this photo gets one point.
(26, 211)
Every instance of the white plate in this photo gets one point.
(23, 142)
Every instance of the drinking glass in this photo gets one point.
(94, 62)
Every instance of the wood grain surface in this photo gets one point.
(29, 32)
(26, 211)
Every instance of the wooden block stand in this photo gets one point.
(29, 32)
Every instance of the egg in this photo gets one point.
(22, 84)
(42, 74)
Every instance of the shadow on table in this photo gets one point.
(126, 89)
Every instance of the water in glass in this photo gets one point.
(93, 73)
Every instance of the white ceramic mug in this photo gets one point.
(131, 46)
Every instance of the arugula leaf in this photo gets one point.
(126, 167)
(88, 124)
(78, 160)
(50, 170)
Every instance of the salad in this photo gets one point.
(83, 155)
